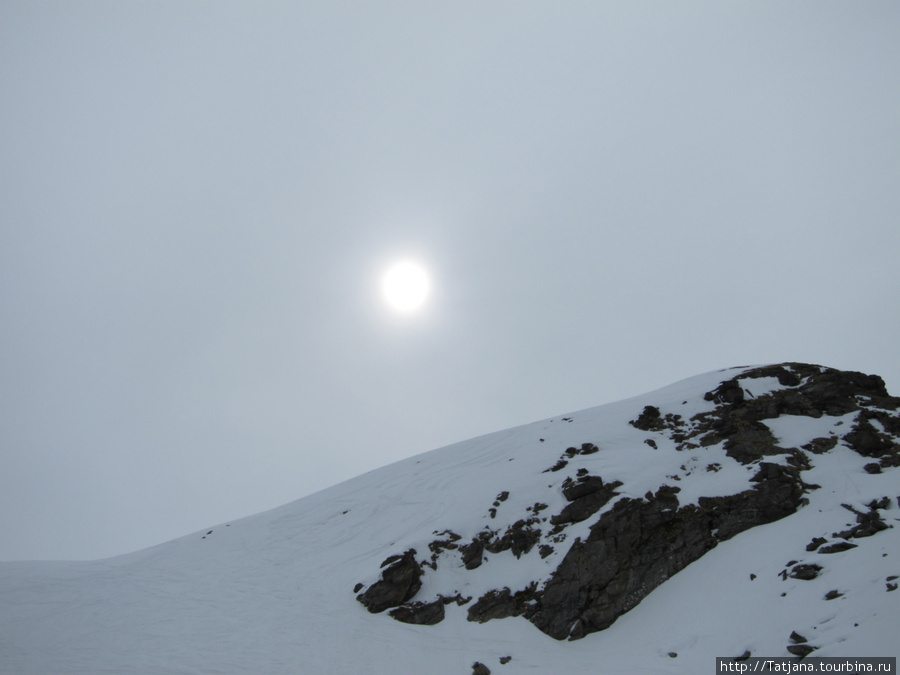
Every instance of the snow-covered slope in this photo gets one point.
(277, 592)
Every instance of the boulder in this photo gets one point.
(399, 582)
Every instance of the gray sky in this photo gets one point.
(197, 200)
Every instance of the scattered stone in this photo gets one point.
(561, 464)
(820, 446)
(815, 543)
(729, 392)
(866, 440)
(801, 650)
(587, 498)
(419, 613)
(891, 587)
(472, 554)
(505, 659)
(673, 655)
(872, 467)
(585, 485)
(868, 523)
(520, 537)
(649, 420)
(796, 638)
(651, 443)
(399, 582)
(833, 594)
(743, 657)
(837, 548)
(805, 572)
(499, 604)
(480, 669)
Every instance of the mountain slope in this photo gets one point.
(662, 531)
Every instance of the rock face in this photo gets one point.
(627, 545)
(640, 543)
(399, 582)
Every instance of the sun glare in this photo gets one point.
(405, 286)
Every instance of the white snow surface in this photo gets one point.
(273, 593)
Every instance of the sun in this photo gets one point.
(405, 286)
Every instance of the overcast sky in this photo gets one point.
(198, 199)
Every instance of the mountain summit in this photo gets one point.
(749, 511)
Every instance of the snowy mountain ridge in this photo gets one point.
(719, 516)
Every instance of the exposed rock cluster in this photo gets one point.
(635, 544)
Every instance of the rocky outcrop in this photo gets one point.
(640, 543)
(400, 581)
(628, 546)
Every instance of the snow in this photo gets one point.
(273, 593)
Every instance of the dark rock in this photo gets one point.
(499, 604)
(891, 587)
(819, 446)
(420, 613)
(638, 544)
(520, 537)
(651, 443)
(472, 554)
(399, 582)
(838, 547)
(505, 659)
(439, 545)
(358, 587)
(867, 441)
(743, 657)
(649, 420)
(748, 441)
(786, 376)
(796, 638)
(883, 503)
(806, 572)
(480, 669)
(585, 485)
(831, 595)
(728, 392)
(815, 543)
(801, 650)
(584, 507)
(868, 524)
(458, 599)
(561, 464)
